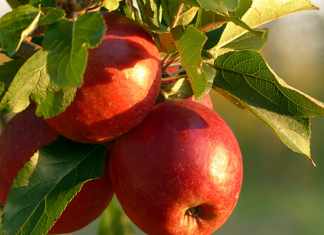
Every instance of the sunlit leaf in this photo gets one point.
(67, 43)
(189, 43)
(261, 12)
(246, 75)
(32, 80)
(16, 25)
(45, 185)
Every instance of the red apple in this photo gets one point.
(121, 84)
(19, 140)
(178, 172)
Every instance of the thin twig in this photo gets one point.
(165, 59)
(177, 15)
(170, 62)
(27, 49)
(174, 78)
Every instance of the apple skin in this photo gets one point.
(19, 140)
(121, 84)
(179, 172)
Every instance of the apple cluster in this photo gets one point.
(176, 167)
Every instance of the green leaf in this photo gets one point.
(111, 5)
(185, 13)
(242, 8)
(189, 43)
(7, 73)
(294, 132)
(16, 25)
(45, 185)
(114, 221)
(262, 12)
(43, 3)
(208, 21)
(180, 89)
(249, 41)
(221, 8)
(246, 75)
(51, 16)
(16, 3)
(67, 43)
(165, 42)
(33, 80)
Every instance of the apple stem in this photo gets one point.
(170, 62)
(193, 212)
(166, 57)
(174, 77)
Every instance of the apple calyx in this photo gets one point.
(193, 212)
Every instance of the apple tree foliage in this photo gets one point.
(215, 43)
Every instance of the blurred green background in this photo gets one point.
(282, 192)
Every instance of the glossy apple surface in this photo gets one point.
(19, 140)
(179, 172)
(121, 84)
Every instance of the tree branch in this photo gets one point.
(27, 49)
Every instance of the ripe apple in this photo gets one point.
(121, 84)
(178, 172)
(19, 140)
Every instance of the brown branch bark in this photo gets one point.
(27, 49)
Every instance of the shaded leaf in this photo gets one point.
(208, 21)
(8, 70)
(114, 221)
(51, 16)
(246, 75)
(45, 185)
(261, 12)
(43, 3)
(165, 42)
(170, 12)
(179, 89)
(294, 132)
(249, 41)
(242, 8)
(67, 43)
(189, 43)
(16, 3)
(16, 25)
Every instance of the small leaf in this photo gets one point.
(171, 12)
(189, 44)
(242, 8)
(43, 3)
(45, 185)
(114, 221)
(246, 75)
(261, 12)
(249, 41)
(165, 42)
(180, 89)
(111, 5)
(33, 80)
(51, 16)
(208, 21)
(17, 3)
(67, 43)
(16, 25)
